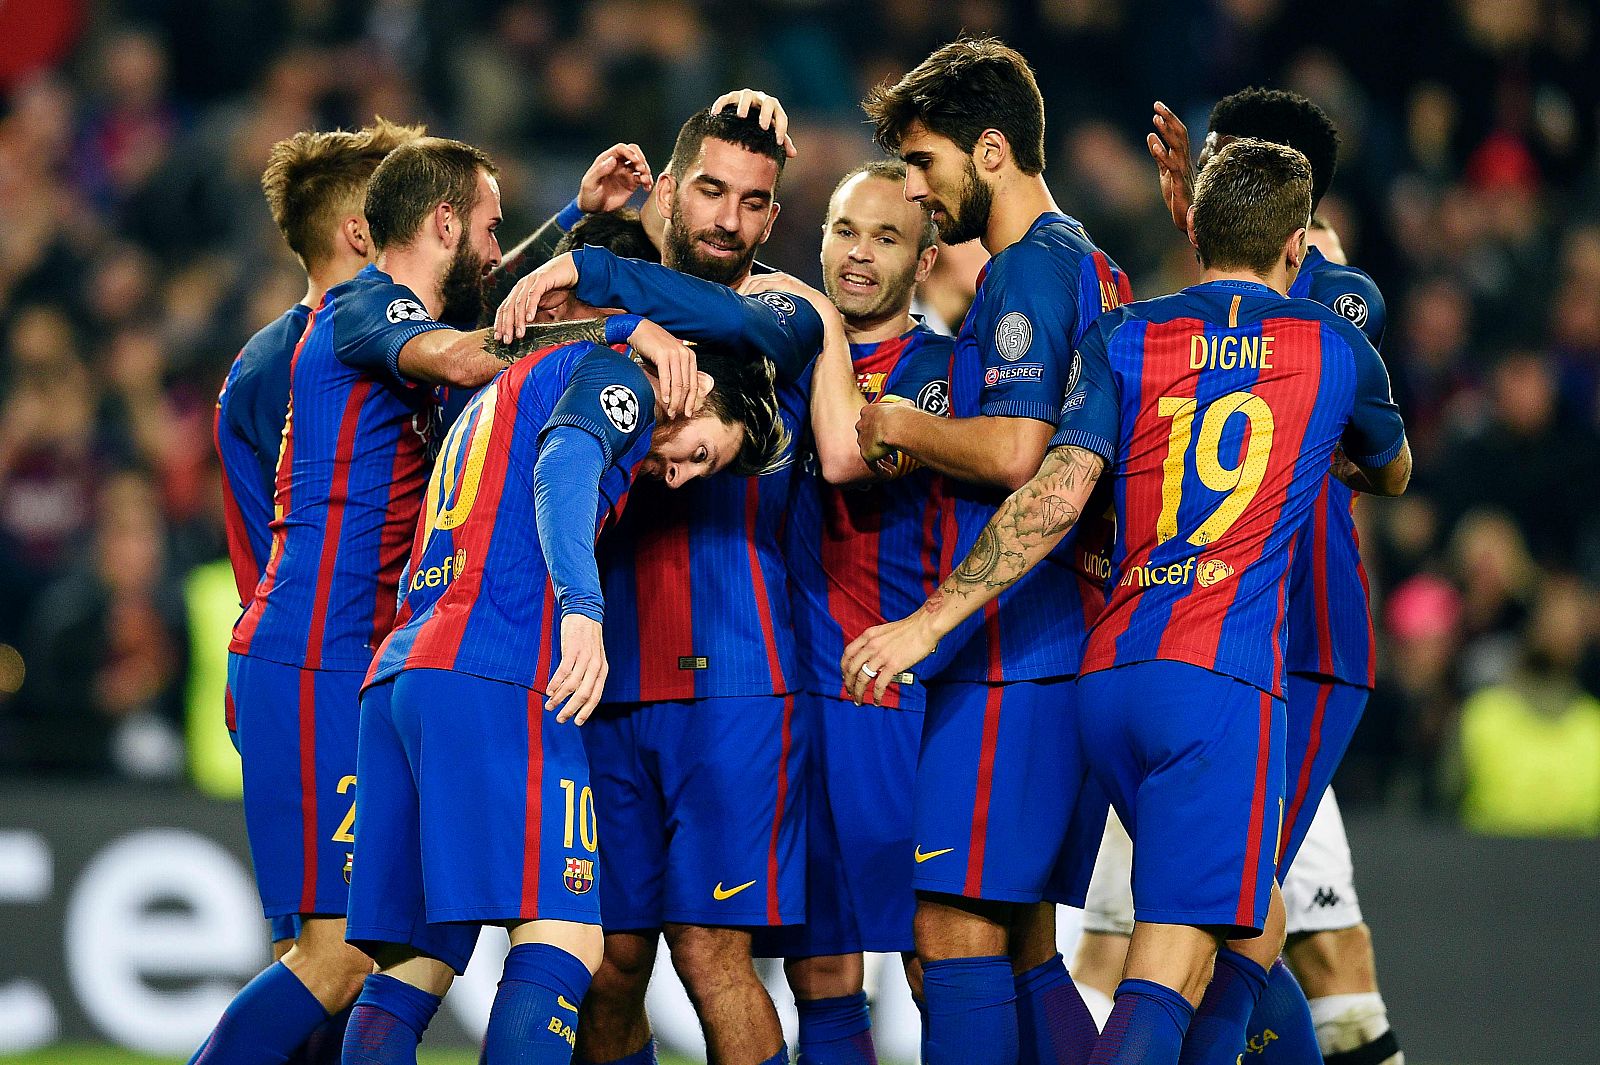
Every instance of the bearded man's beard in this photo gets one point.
(969, 219)
(463, 288)
(683, 252)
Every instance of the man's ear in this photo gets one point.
(1189, 225)
(771, 218)
(991, 151)
(1295, 251)
(446, 226)
(356, 237)
(707, 383)
(925, 261)
(661, 198)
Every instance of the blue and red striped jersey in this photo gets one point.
(248, 431)
(349, 481)
(864, 554)
(1217, 410)
(478, 594)
(1330, 614)
(1013, 358)
(696, 587)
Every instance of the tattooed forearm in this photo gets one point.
(544, 335)
(1025, 528)
(982, 559)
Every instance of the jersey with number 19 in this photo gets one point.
(1217, 410)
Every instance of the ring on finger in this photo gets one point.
(869, 672)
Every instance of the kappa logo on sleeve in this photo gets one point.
(1013, 336)
(1352, 308)
(781, 302)
(620, 406)
(406, 309)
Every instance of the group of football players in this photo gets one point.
(842, 635)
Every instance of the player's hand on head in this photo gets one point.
(777, 281)
(770, 113)
(578, 682)
(883, 652)
(675, 366)
(547, 287)
(612, 179)
(1169, 147)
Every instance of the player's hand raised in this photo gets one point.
(546, 287)
(772, 115)
(581, 676)
(612, 179)
(675, 366)
(1169, 147)
(883, 652)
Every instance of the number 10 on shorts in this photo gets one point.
(580, 807)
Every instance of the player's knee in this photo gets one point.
(709, 958)
(1334, 961)
(623, 977)
(331, 968)
(948, 926)
(825, 976)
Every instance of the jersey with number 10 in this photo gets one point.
(477, 596)
(1013, 358)
(864, 554)
(1330, 615)
(1217, 410)
(349, 481)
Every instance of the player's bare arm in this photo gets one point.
(1169, 147)
(549, 290)
(989, 449)
(607, 185)
(1388, 480)
(470, 359)
(1028, 525)
(836, 401)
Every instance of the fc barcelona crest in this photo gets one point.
(579, 876)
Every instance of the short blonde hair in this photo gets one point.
(315, 179)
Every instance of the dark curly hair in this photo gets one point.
(1283, 117)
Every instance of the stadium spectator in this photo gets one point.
(1529, 760)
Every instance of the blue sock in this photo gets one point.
(1146, 1026)
(534, 1020)
(1281, 1030)
(1053, 1024)
(646, 1055)
(1217, 1035)
(836, 1031)
(922, 1012)
(780, 1058)
(326, 1044)
(972, 1011)
(264, 1023)
(387, 1022)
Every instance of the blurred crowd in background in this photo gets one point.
(136, 256)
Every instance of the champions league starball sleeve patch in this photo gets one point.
(406, 309)
(620, 406)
